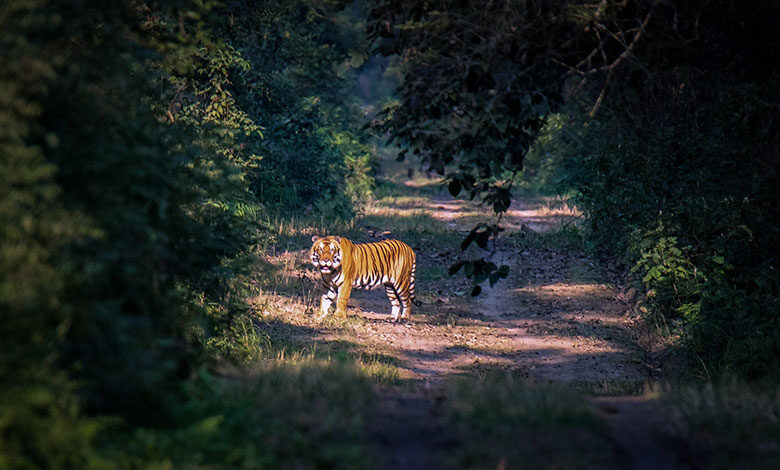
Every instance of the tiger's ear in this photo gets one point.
(314, 238)
(337, 238)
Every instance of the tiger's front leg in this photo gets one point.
(341, 304)
(325, 302)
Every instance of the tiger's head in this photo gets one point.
(326, 254)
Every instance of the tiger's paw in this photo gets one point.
(400, 320)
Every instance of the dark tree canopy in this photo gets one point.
(660, 118)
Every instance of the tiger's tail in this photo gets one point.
(411, 286)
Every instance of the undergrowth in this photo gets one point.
(512, 422)
(726, 425)
(274, 414)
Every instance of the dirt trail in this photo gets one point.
(539, 320)
(546, 321)
(555, 318)
(543, 322)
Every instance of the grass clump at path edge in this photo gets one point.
(271, 415)
(510, 422)
(727, 425)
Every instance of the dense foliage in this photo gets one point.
(142, 149)
(660, 118)
(300, 89)
(678, 173)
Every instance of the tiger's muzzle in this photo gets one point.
(326, 266)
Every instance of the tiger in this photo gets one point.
(345, 265)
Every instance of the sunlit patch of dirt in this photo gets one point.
(423, 182)
(542, 215)
(539, 320)
(589, 302)
(403, 212)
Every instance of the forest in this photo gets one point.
(592, 189)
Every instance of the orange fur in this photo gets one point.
(345, 265)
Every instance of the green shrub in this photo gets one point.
(313, 156)
(670, 279)
(686, 203)
(42, 426)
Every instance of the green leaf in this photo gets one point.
(482, 240)
(467, 241)
(454, 187)
(456, 267)
(503, 271)
(469, 269)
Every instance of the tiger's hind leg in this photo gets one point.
(406, 304)
(406, 309)
(391, 294)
